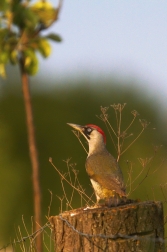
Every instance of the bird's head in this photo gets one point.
(93, 134)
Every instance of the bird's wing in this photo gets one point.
(105, 170)
(110, 183)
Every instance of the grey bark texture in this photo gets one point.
(132, 227)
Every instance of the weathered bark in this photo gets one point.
(132, 227)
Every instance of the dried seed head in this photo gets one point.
(144, 161)
(118, 106)
(134, 113)
(144, 123)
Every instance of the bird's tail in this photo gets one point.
(116, 200)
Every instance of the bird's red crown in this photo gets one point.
(98, 129)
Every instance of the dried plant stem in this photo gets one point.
(138, 176)
(61, 205)
(130, 124)
(164, 195)
(82, 197)
(77, 135)
(153, 193)
(133, 141)
(116, 115)
(22, 246)
(63, 177)
(65, 195)
(162, 162)
(118, 137)
(129, 181)
(74, 183)
(69, 174)
(110, 134)
(142, 179)
(31, 240)
(110, 125)
(49, 207)
(72, 193)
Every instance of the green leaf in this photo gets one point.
(13, 57)
(30, 62)
(24, 17)
(54, 37)
(42, 5)
(44, 47)
(2, 70)
(4, 57)
(47, 14)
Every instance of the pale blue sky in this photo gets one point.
(125, 38)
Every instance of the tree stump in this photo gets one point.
(132, 227)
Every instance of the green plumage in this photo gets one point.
(104, 170)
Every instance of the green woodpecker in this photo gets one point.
(102, 168)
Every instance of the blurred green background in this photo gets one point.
(75, 101)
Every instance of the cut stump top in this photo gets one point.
(132, 227)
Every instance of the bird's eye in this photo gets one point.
(89, 130)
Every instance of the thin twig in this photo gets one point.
(78, 190)
(132, 142)
(49, 207)
(65, 195)
(142, 179)
(111, 127)
(76, 133)
(118, 136)
(134, 117)
(129, 180)
(61, 205)
(74, 184)
(110, 135)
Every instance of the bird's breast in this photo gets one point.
(105, 174)
(101, 163)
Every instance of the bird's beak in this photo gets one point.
(79, 128)
(76, 127)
